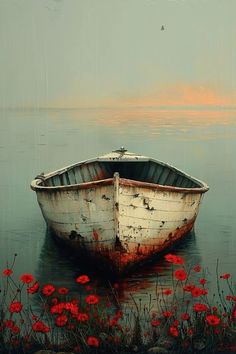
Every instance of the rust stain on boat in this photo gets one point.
(121, 207)
(124, 259)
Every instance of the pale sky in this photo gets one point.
(73, 53)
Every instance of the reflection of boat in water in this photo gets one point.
(121, 207)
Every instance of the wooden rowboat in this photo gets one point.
(121, 207)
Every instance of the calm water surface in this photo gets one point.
(202, 143)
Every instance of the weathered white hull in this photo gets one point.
(121, 207)
(143, 220)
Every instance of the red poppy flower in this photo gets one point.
(58, 308)
(34, 317)
(15, 306)
(26, 278)
(73, 308)
(180, 274)
(214, 308)
(15, 329)
(113, 322)
(190, 331)
(82, 317)
(167, 292)
(197, 268)
(92, 299)
(82, 279)
(155, 323)
(176, 323)
(174, 331)
(228, 297)
(167, 313)
(7, 272)
(93, 341)
(9, 323)
(118, 314)
(188, 288)
(62, 291)
(225, 276)
(61, 320)
(39, 326)
(200, 308)
(174, 259)
(54, 301)
(185, 316)
(196, 292)
(204, 292)
(202, 281)
(48, 289)
(34, 288)
(212, 320)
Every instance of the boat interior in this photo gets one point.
(143, 171)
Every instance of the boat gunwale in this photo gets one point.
(122, 181)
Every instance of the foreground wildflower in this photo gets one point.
(39, 326)
(82, 279)
(93, 341)
(155, 323)
(26, 278)
(174, 259)
(174, 331)
(34, 288)
(61, 320)
(212, 320)
(9, 323)
(15, 306)
(72, 307)
(200, 308)
(48, 290)
(180, 274)
(188, 288)
(197, 268)
(225, 276)
(190, 331)
(202, 281)
(167, 314)
(82, 317)
(15, 329)
(58, 308)
(62, 291)
(196, 292)
(167, 292)
(185, 316)
(92, 299)
(7, 272)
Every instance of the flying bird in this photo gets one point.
(162, 28)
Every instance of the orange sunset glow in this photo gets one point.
(176, 95)
(183, 95)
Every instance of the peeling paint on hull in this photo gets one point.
(123, 229)
(120, 220)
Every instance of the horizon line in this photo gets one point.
(158, 107)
